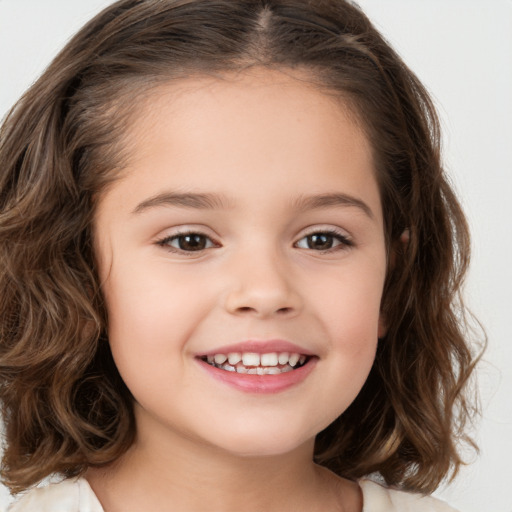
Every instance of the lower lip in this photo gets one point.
(260, 383)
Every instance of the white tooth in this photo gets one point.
(269, 359)
(240, 368)
(252, 371)
(302, 359)
(234, 358)
(210, 359)
(250, 359)
(283, 357)
(260, 370)
(286, 368)
(272, 370)
(220, 358)
(229, 368)
(294, 359)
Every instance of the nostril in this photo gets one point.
(253, 301)
(245, 309)
(248, 309)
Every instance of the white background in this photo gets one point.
(462, 51)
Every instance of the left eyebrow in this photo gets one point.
(329, 200)
(182, 200)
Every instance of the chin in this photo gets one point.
(264, 442)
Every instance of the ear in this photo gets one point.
(398, 246)
(403, 243)
(405, 237)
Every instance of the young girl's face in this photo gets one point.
(248, 224)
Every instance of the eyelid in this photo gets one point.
(180, 231)
(345, 239)
(325, 228)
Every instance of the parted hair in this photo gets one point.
(64, 406)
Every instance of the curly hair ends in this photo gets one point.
(64, 405)
(61, 402)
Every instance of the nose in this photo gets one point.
(263, 286)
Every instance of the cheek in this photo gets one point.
(349, 311)
(152, 313)
(143, 318)
(349, 303)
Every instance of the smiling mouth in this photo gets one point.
(252, 363)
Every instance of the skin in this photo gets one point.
(260, 141)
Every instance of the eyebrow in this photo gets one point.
(210, 201)
(183, 200)
(320, 201)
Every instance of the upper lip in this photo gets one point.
(259, 347)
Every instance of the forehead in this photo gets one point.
(221, 133)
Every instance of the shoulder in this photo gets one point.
(377, 498)
(67, 496)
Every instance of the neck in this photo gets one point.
(162, 473)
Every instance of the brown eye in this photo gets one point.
(320, 242)
(188, 242)
(192, 242)
(323, 241)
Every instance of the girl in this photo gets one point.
(230, 268)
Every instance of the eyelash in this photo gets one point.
(344, 241)
(165, 242)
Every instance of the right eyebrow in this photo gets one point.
(183, 200)
(318, 201)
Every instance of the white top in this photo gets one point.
(77, 496)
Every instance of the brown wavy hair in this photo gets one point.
(64, 405)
